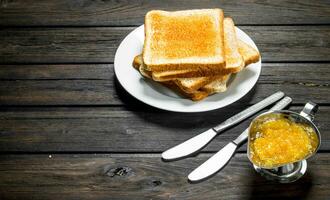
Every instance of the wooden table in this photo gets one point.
(68, 130)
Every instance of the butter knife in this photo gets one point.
(198, 142)
(222, 157)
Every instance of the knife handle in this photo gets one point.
(281, 104)
(249, 112)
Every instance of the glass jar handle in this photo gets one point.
(309, 110)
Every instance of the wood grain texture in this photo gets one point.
(104, 176)
(129, 12)
(57, 72)
(98, 45)
(58, 45)
(317, 73)
(68, 130)
(76, 129)
(96, 84)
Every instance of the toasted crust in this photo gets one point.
(137, 62)
(216, 86)
(144, 72)
(188, 85)
(190, 39)
(191, 85)
(175, 74)
(237, 53)
(234, 60)
(250, 54)
(194, 96)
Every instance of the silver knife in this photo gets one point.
(222, 157)
(198, 142)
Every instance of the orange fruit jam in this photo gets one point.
(277, 141)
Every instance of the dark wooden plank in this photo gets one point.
(60, 45)
(56, 72)
(317, 73)
(77, 129)
(98, 45)
(59, 92)
(96, 85)
(123, 13)
(104, 176)
(107, 92)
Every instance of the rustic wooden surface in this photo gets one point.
(98, 45)
(68, 130)
(131, 12)
(123, 176)
(96, 84)
(112, 129)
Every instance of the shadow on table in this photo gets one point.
(130, 102)
(187, 124)
(175, 121)
(133, 104)
(264, 189)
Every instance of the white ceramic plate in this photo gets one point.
(156, 95)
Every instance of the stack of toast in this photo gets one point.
(193, 52)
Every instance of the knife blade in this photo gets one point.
(219, 160)
(198, 142)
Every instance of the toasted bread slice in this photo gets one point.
(190, 39)
(216, 86)
(234, 60)
(175, 74)
(234, 55)
(208, 84)
(137, 62)
(195, 96)
(138, 65)
(250, 54)
(189, 85)
(144, 72)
